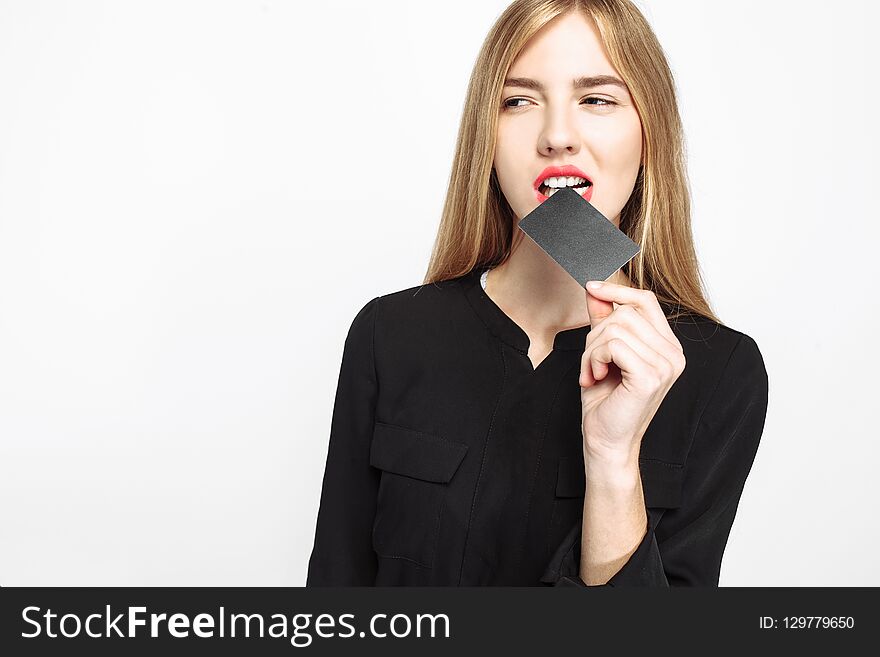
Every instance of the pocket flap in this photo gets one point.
(661, 482)
(415, 453)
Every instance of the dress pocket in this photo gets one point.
(661, 481)
(417, 467)
(661, 484)
(568, 501)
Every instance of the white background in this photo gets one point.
(197, 197)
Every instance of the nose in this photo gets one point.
(559, 134)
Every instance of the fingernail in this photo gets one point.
(594, 285)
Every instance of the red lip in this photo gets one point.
(567, 170)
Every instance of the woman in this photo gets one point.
(501, 424)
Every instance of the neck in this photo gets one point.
(539, 294)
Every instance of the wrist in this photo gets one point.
(613, 471)
(607, 458)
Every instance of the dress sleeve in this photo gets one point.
(343, 554)
(684, 546)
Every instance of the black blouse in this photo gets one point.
(453, 462)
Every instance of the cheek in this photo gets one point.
(620, 149)
(509, 144)
(508, 160)
(619, 152)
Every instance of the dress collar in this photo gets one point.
(502, 326)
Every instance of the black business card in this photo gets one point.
(578, 237)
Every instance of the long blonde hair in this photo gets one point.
(476, 228)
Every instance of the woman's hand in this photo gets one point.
(630, 362)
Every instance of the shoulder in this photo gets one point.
(414, 307)
(724, 374)
(716, 348)
(421, 298)
(724, 369)
(727, 380)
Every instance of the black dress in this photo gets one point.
(453, 462)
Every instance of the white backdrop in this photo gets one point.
(197, 197)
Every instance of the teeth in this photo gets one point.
(552, 191)
(563, 181)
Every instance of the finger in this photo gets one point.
(597, 309)
(661, 369)
(644, 300)
(631, 319)
(586, 378)
(632, 366)
(591, 372)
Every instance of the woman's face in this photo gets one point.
(546, 120)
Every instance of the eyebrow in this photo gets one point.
(583, 82)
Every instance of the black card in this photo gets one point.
(579, 237)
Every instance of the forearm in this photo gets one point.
(614, 518)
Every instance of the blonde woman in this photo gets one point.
(500, 424)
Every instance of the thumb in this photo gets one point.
(597, 309)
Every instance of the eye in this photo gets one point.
(603, 102)
(506, 104)
(607, 103)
